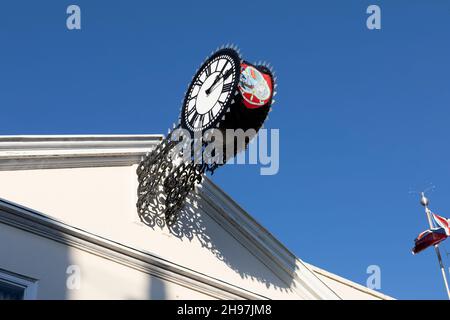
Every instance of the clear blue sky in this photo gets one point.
(363, 115)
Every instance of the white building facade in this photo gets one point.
(69, 229)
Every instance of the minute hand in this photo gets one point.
(218, 78)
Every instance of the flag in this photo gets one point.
(429, 238)
(441, 222)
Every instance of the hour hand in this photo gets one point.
(208, 91)
(216, 81)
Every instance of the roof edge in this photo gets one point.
(73, 151)
(348, 283)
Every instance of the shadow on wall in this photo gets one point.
(25, 254)
(44, 255)
(193, 222)
(157, 289)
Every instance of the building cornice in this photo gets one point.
(355, 286)
(260, 242)
(73, 151)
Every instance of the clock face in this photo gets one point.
(211, 91)
(255, 87)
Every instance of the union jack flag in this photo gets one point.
(433, 236)
(441, 222)
(428, 238)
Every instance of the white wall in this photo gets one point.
(103, 201)
(46, 260)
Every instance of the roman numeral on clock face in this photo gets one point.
(208, 70)
(194, 119)
(190, 111)
(226, 87)
(198, 82)
(210, 115)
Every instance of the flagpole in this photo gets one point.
(424, 201)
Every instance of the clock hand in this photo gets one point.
(216, 81)
(208, 91)
(217, 78)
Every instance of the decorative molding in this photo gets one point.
(37, 223)
(348, 283)
(263, 245)
(73, 151)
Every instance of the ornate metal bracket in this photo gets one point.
(165, 180)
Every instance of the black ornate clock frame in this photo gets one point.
(164, 183)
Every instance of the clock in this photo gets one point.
(228, 93)
(225, 93)
(211, 92)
